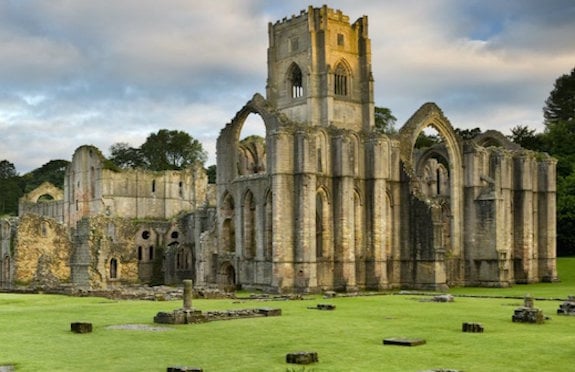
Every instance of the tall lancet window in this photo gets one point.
(340, 80)
(296, 81)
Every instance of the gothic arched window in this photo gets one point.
(340, 80)
(295, 81)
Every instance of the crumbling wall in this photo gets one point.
(42, 252)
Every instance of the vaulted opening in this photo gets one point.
(252, 146)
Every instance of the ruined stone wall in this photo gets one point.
(92, 189)
(42, 252)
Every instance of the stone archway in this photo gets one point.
(425, 248)
(431, 115)
(227, 277)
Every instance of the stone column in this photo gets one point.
(188, 293)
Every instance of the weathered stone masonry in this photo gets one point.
(323, 202)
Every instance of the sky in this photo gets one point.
(84, 72)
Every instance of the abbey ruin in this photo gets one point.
(324, 202)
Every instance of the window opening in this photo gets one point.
(340, 81)
(113, 268)
(296, 82)
(340, 39)
(151, 253)
(140, 253)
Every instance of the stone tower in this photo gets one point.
(319, 69)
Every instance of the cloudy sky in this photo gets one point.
(75, 72)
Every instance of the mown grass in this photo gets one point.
(35, 333)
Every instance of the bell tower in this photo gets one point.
(319, 69)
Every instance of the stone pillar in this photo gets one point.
(376, 202)
(523, 222)
(343, 201)
(188, 293)
(282, 185)
(305, 210)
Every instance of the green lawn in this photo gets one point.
(35, 334)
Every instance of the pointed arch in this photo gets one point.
(341, 78)
(496, 139)
(322, 151)
(323, 228)
(295, 81)
(228, 235)
(431, 115)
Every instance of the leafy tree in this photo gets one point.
(10, 190)
(7, 169)
(172, 149)
(125, 156)
(164, 150)
(467, 134)
(527, 138)
(384, 120)
(560, 106)
(558, 140)
(211, 171)
(427, 140)
(53, 171)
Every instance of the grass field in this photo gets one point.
(35, 333)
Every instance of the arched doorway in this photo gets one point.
(227, 277)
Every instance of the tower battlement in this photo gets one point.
(321, 13)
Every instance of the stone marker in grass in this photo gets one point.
(302, 357)
(403, 341)
(81, 327)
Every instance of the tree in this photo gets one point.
(467, 134)
(53, 171)
(558, 139)
(560, 106)
(10, 190)
(211, 172)
(527, 138)
(125, 156)
(164, 150)
(172, 149)
(384, 120)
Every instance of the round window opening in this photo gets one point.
(146, 234)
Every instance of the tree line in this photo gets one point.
(175, 150)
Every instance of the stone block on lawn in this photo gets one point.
(302, 357)
(81, 327)
(184, 369)
(403, 341)
(268, 311)
(472, 327)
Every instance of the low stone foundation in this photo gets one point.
(192, 316)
